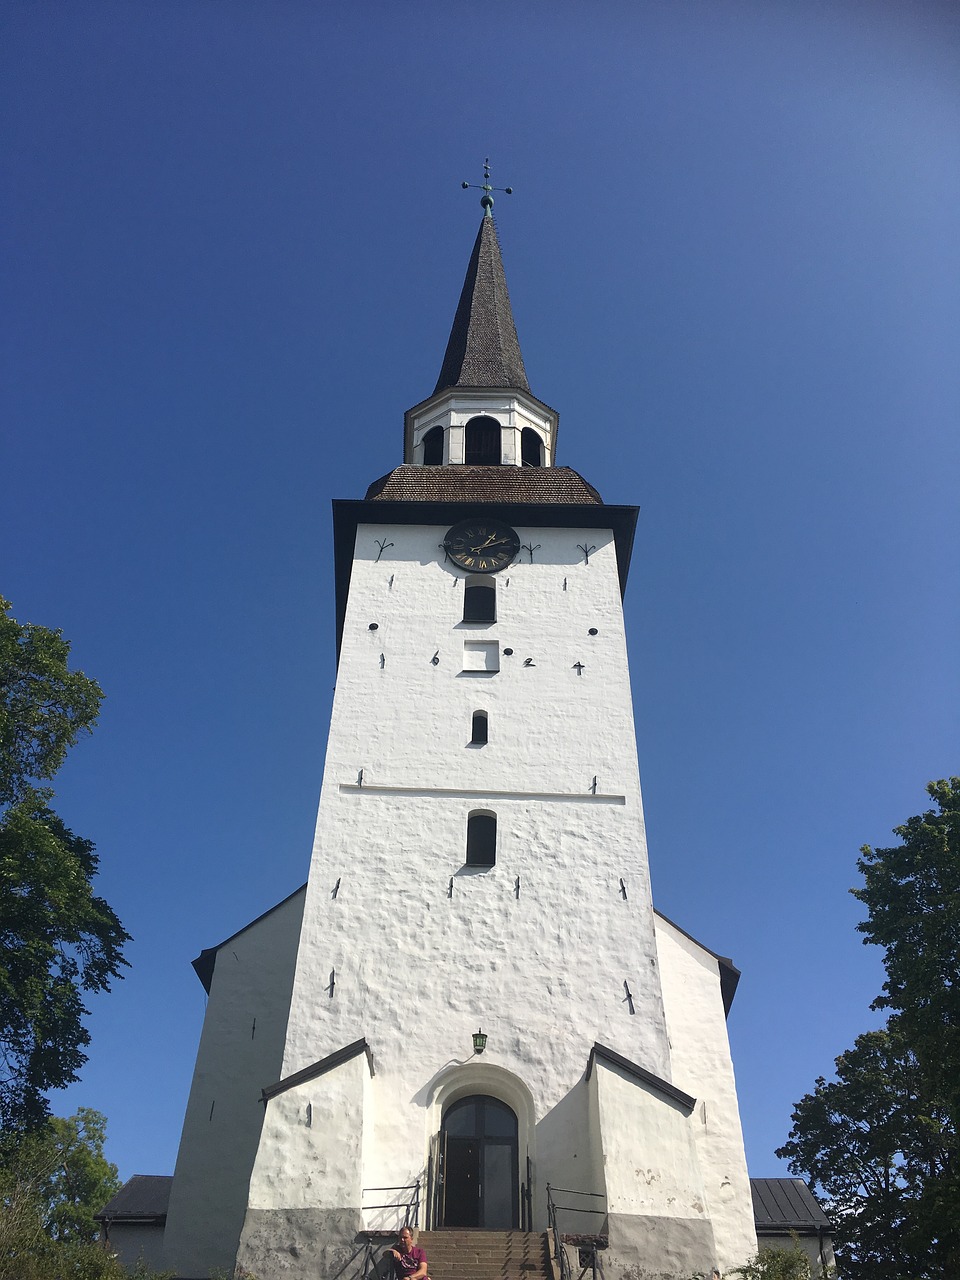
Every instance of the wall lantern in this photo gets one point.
(479, 1041)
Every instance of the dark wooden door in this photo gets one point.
(480, 1171)
(462, 1183)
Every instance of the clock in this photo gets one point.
(482, 545)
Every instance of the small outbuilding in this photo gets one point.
(132, 1223)
(786, 1213)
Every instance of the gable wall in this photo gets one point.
(702, 1066)
(251, 985)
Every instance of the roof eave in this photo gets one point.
(473, 389)
(348, 513)
(448, 393)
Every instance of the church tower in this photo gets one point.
(479, 869)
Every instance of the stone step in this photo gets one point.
(459, 1254)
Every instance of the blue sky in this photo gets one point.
(237, 241)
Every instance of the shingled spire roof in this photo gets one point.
(483, 350)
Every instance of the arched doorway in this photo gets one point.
(480, 1183)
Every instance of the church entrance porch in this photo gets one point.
(479, 1183)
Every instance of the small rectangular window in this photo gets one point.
(479, 602)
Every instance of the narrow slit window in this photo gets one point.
(433, 447)
(482, 446)
(531, 448)
(481, 839)
(479, 727)
(479, 600)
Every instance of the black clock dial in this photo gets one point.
(481, 545)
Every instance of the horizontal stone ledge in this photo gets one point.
(575, 797)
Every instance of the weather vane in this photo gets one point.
(486, 200)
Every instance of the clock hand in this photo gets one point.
(501, 542)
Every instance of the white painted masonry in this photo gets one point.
(605, 1023)
(452, 410)
(424, 948)
(702, 1065)
(405, 946)
(241, 1049)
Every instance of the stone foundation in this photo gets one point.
(657, 1248)
(301, 1244)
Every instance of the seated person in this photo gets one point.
(409, 1261)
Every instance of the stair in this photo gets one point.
(457, 1254)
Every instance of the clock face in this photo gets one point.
(481, 545)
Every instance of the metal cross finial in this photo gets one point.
(486, 200)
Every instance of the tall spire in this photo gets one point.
(483, 350)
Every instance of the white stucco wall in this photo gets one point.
(241, 1049)
(571, 1155)
(552, 949)
(649, 1149)
(422, 948)
(322, 1121)
(700, 1050)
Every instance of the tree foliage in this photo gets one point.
(44, 706)
(776, 1264)
(881, 1140)
(912, 896)
(58, 939)
(83, 1179)
(52, 1182)
(879, 1145)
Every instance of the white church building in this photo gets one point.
(479, 870)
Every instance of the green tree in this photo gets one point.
(58, 1177)
(44, 706)
(881, 1140)
(83, 1179)
(777, 1264)
(52, 1181)
(874, 1141)
(912, 895)
(57, 938)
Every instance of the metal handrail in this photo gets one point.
(410, 1206)
(408, 1216)
(593, 1263)
(559, 1253)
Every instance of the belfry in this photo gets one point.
(470, 1018)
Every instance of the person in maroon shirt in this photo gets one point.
(409, 1261)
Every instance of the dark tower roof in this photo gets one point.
(483, 350)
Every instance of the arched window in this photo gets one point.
(479, 599)
(479, 734)
(482, 446)
(481, 839)
(433, 447)
(531, 448)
